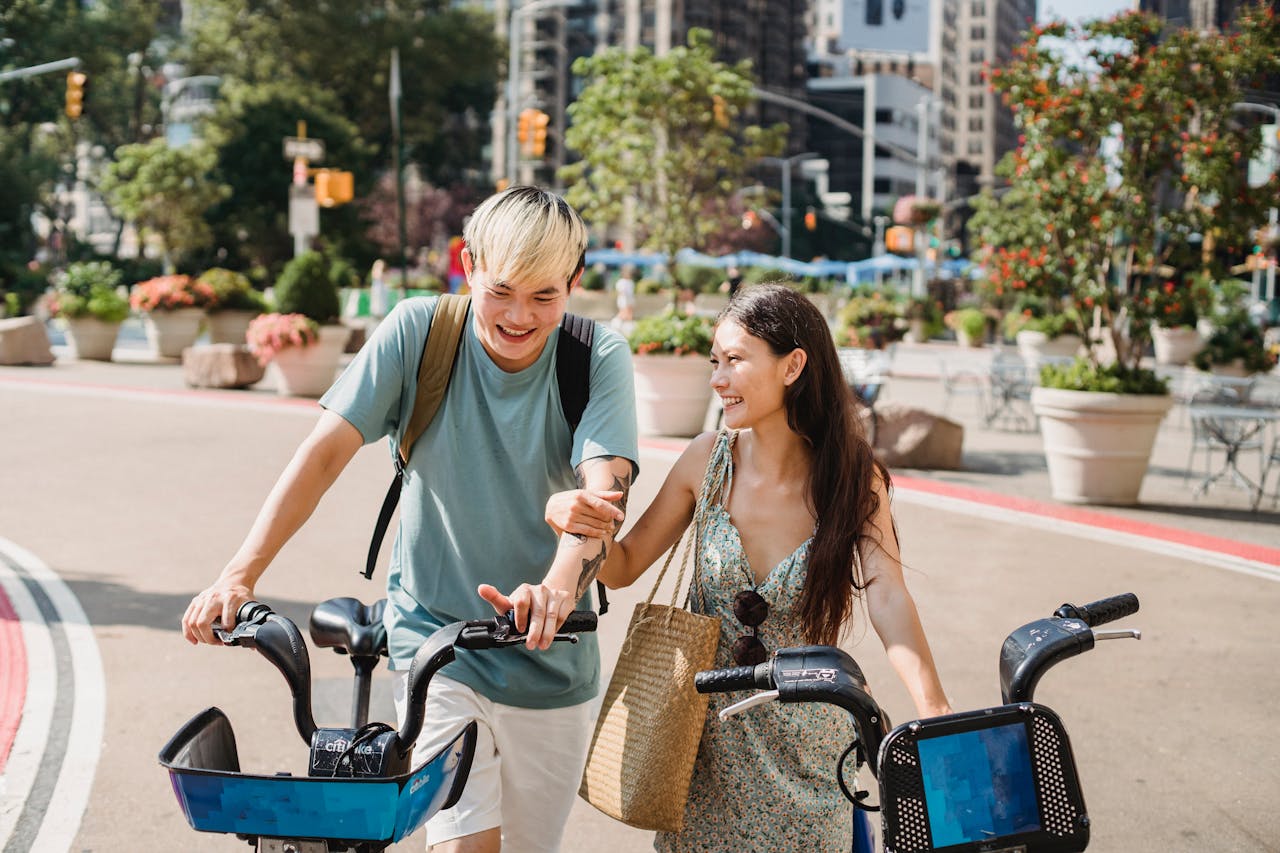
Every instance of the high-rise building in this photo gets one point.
(1198, 14)
(988, 32)
(770, 33)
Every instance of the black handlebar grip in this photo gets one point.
(734, 678)
(1103, 611)
(579, 621)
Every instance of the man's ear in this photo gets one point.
(573, 282)
(467, 264)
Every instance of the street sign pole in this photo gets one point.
(304, 212)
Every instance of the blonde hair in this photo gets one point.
(526, 233)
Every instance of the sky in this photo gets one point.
(1081, 10)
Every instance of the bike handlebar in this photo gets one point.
(734, 678)
(1101, 612)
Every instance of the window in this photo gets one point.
(884, 116)
(975, 124)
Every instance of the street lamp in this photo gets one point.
(786, 163)
(514, 29)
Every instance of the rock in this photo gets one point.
(220, 366)
(23, 340)
(910, 437)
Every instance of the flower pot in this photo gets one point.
(309, 371)
(1234, 368)
(915, 333)
(1035, 346)
(1097, 445)
(171, 331)
(229, 327)
(1175, 346)
(966, 340)
(672, 393)
(91, 338)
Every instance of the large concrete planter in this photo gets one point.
(1035, 346)
(309, 371)
(1175, 346)
(171, 331)
(90, 338)
(672, 393)
(229, 327)
(1097, 445)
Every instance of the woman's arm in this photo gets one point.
(894, 616)
(664, 520)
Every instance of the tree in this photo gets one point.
(1130, 168)
(166, 193)
(448, 58)
(661, 130)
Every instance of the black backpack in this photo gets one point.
(573, 375)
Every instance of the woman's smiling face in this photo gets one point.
(748, 377)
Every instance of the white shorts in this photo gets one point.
(530, 793)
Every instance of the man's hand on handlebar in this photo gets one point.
(584, 513)
(539, 610)
(219, 603)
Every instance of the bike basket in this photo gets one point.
(216, 797)
(998, 779)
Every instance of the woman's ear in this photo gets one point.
(794, 364)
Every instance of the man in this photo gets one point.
(472, 516)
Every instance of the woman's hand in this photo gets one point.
(219, 602)
(584, 513)
(539, 609)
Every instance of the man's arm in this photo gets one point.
(315, 466)
(578, 559)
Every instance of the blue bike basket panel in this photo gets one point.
(204, 770)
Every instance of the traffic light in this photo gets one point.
(334, 187)
(899, 239)
(76, 81)
(810, 220)
(538, 145)
(524, 127)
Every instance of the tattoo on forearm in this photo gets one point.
(590, 568)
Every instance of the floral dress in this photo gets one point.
(764, 780)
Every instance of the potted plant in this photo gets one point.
(1041, 331)
(969, 324)
(1174, 316)
(236, 304)
(868, 320)
(172, 309)
(672, 371)
(306, 366)
(89, 308)
(1236, 348)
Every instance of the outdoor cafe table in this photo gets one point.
(1232, 427)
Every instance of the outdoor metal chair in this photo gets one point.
(1203, 440)
(1010, 385)
(961, 382)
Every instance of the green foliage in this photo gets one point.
(593, 278)
(90, 290)
(233, 291)
(166, 192)
(866, 316)
(699, 279)
(306, 287)
(672, 332)
(1084, 375)
(661, 130)
(1237, 338)
(21, 286)
(971, 321)
(1130, 151)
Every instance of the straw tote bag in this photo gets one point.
(646, 737)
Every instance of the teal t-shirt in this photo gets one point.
(476, 488)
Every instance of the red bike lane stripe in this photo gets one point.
(1093, 518)
(13, 677)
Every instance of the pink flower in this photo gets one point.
(270, 333)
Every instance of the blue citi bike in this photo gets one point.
(995, 780)
(361, 792)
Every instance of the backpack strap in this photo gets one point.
(434, 371)
(573, 367)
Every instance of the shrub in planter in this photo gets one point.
(1236, 339)
(171, 293)
(672, 332)
(89, 290)
(1084, 375)
(969, 321)
(271, 333)
(306, 287)
(232, 291)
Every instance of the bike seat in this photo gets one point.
(350, 626)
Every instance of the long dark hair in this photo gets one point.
(820, 409)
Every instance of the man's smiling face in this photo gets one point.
(514, 318)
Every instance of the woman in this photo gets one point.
(794, 522)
